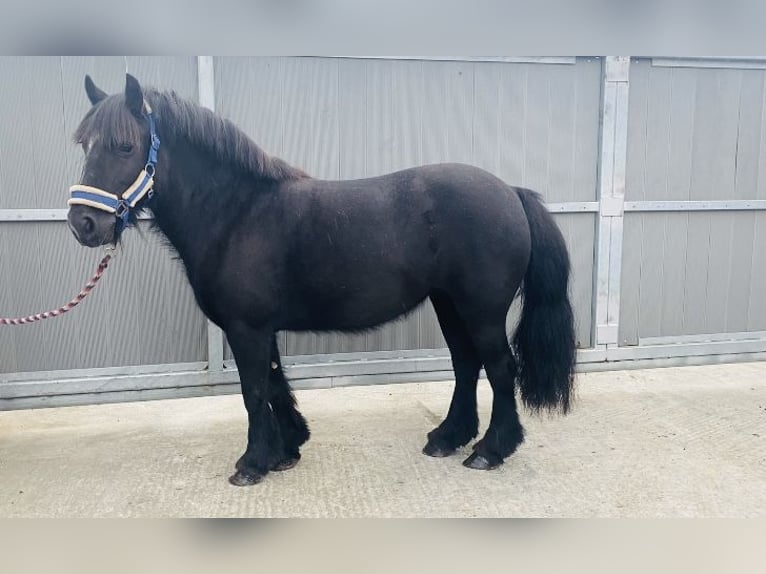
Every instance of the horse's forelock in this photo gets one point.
(109, 121)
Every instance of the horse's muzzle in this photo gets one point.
(91, 227)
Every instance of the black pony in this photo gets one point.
(268, 248)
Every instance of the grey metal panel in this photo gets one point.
(630, 281)
(637, 122)
(352, 120)
(42, 264)
(532, 124)
(695, 287)
(177, 73)
(674, 272)
(548, 128)
(657, 135)
(683, 88)
(756, 317)
(692, 273)
(487, 116)
(579, 231)
(655, 291)
(32, 135)
(750, 131)
(650, 301)
(740, 270)
(586, 98)
(405, 113)
(721, 251)
(694, 134)
(142, 312)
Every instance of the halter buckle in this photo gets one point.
(122, 209)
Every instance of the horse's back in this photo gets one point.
(458, 193)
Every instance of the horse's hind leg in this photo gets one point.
(505, 432)
(462, 422)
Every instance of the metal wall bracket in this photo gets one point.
(617, 68)
(606, 335)
(612, 206)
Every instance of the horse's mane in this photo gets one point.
(179, 118)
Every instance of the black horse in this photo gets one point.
(268, 248)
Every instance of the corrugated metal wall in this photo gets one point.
(672, 280)
(532, 124)
(143, 313)
(695, 133)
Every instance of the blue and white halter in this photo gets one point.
(143, 186)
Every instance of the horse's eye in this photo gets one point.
(125, 148)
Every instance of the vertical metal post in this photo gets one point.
(206, 91)
(612, 161)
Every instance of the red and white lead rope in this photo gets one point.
(69, 306)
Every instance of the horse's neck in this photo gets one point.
(190, 204)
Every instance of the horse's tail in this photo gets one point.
(544, 341)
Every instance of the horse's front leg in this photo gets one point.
(252, 352)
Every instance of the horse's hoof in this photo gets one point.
(244, 478)
(480, 462)
(437, 451)
(287, 463)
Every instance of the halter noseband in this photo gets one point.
(120, 205)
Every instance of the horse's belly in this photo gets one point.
(352, 307)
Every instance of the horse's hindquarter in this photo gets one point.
(363, 252)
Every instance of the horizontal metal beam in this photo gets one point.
(713, 205)
(195, 384)
(736, 63)
(685, 361)
(702, 338)
(22, 215)
(126, 371)
(33, 214)
(106, 384)
(304, 372)
(177, 392)
(573, 207)
(322, 371)
(686, 350)
(506, 59)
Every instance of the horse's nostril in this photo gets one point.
(88, 225)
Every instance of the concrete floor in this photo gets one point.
(667, 442)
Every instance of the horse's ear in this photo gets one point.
(134, 97)
(95, 94)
